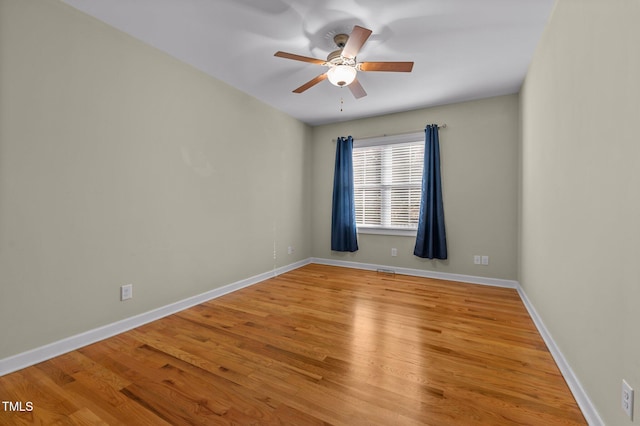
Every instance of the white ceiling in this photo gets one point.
(462, 49)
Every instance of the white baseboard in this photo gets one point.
(495, 282)
(43, 353)
(584, 402)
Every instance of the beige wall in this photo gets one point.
(479, 174)
(121, 165)
(580, 202)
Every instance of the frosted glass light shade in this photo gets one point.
(342, 75)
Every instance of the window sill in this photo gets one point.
(388, 231)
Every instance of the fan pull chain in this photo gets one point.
(341, 103)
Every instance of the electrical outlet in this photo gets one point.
(394, 252)
(485, 260)
(476, 260)
(126, 292)
(290, 250)
(627, 399)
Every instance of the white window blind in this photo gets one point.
(387, 183)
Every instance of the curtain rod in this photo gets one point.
(440, 126)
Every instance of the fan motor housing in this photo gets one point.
(335, 56)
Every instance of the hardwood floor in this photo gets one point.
(319, 345)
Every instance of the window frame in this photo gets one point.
(384, 141)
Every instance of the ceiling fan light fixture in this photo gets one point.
(343, 65)
(341, 75)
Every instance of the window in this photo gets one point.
(387, 183)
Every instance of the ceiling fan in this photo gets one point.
(342, 63)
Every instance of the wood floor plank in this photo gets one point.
(319, 345)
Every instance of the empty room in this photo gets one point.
(319, 213)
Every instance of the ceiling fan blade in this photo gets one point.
(356, 89)
(299, 58)
(357, 38)
(386, 66)
(309, 84)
